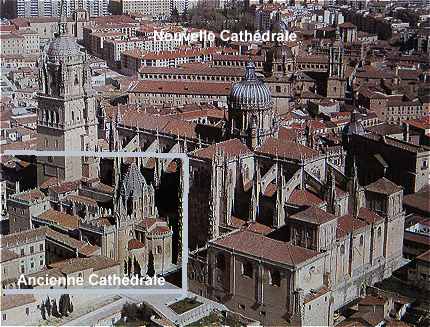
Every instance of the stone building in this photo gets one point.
(65, 89)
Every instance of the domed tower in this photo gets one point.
(250, 114)
(66, 109)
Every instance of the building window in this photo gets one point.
(220, 261)
(379, 231)
(27, 311)
(241, 306)
(4, 317)
(361, 240)
(159, 249)
(342, 249)
(275, 278)
(22, 252)
(247, 269)
(41, 247)
(31, 249)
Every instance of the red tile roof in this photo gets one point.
(15, 300)
(30, 196)
(65, 187)
(313, 215)
(383, 186)
(230, 148)
(304, 197)
(181, 87)
(135, 244)
(369, 216)
(285, 149)
(347, 224)
(262, 247)
(252, 226)
(60, 218)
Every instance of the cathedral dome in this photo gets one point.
(251, 93)
(133, 183)
(62, 46)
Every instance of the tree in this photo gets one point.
(43, 311)
(54, 309)
(151, 270)
(70, 308)
(48, 306)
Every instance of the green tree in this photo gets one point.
(151, 269)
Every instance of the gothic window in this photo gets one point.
(379, 231)
(275, 278)
(73, 116)
(220, 261)
(56, 117)
(159, 249)
(361, 240)
(342, 249)
(246, 172)
(247, 269)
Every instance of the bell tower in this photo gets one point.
(66, 115)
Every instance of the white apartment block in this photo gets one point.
(159, 9)
(51, 8)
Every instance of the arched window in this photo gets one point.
(361, 240)
(220, 261)
(247, 269)
(342, 249)
(275, 278)
(73, 116)
(379, 231)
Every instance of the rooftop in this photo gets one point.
(262, 247)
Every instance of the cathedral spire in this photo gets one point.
(62, 20)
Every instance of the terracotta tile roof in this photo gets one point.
(60, 219)
(194, 69)
(383, 186)
(181, 87)
(82, 247)
(314, 295)
(285, 149)
(424, 257)
(65, 187)
(423, 123)
(7, 255)
(81, 199)
(160, 230)
(313, 215)
(230, 148)
(262, 247)
(30, 196)
(347, 224)
(48, 183)
(402, 145)
(135, 244)
(24, 237)
(419, 200)
(255, 227)
(95, 263)
(103, 187)
(417, 238)
(369, 216)
(304, 197)
(15, 300)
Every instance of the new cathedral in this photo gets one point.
(277, 231)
